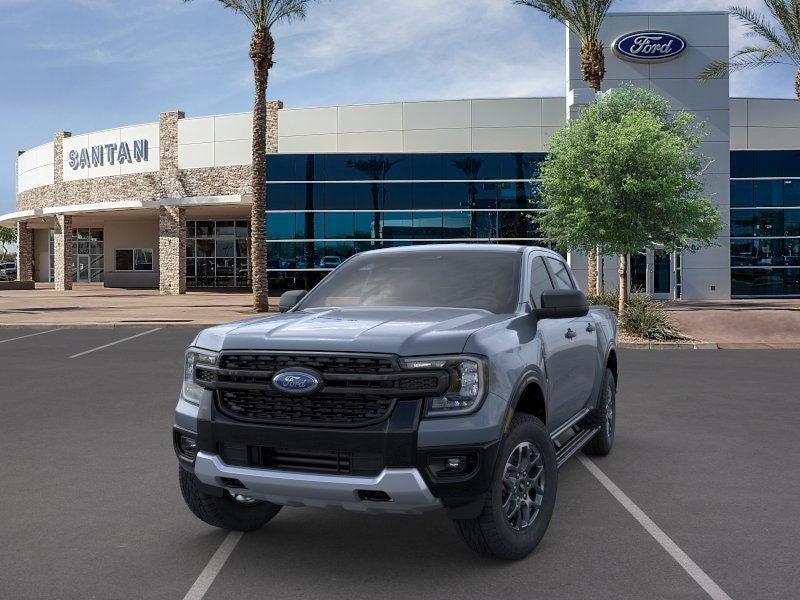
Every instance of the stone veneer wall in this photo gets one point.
(62, 250)
(171, 250)
(169, 182)
(24, 252)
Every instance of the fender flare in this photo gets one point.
(528, 377)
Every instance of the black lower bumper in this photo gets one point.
(354, 451)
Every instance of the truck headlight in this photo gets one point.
(192, 392)
(468, 375)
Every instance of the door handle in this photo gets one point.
(570, 334)
(590, 327)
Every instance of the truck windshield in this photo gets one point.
(486, 280)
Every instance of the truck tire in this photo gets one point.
(519, 505)
(605, 417)
(224, 511)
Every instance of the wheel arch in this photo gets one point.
(611, 363)
(529, 398)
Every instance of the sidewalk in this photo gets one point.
(94, 305)
(740, 323)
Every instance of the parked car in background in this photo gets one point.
(410, 379)
(8, 271)
(330, 262)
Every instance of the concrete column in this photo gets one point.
(62, 250)
(171, 250)
(24, 252)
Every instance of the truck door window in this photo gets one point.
(540, 280)
(561, 277)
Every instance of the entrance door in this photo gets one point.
(83, 268)
(638, 272)
(662, 270)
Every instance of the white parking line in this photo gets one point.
(22, 337)
(214, 566)
(695, 572)
(115, 343)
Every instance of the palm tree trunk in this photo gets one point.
(593, 70)
(593, 67)
(797, 84)
(261, 51)
(623, 283)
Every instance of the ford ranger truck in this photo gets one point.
(455, 377)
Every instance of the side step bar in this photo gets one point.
(565, 452)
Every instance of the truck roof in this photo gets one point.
(457, 248)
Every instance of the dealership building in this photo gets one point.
(167, 204)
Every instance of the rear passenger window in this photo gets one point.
(561, 277)
(540, 280)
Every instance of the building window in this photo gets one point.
(765, 223)
(133, 259)
(218, 254)
(327, 207)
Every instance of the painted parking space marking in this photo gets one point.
(22, 337)
(85, 352)
(687, 564)
(214, 566)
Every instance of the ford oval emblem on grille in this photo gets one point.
(295, 381)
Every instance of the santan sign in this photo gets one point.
(97, 156)
(649, 46)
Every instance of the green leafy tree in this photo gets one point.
(584, 19)
(626, 174)
(263, 15)
(778, 40)
(7, 236)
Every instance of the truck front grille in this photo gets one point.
(357, 389)
(268, 407)
(291, 459)
(324, 363)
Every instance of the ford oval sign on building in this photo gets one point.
(649, 46)
(295, 381)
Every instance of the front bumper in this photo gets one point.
(405, 489)
(393, 457)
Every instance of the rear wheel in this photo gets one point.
(605, 417)
(228, 511)
(520, 503)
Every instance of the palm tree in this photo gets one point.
(584, 19)
(780, 41)
(263, 15)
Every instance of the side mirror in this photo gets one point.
(290, 299)
(562, 304)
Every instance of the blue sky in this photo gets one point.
(84, 65)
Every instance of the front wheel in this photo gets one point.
(605, 417)
(520, 503)
(238, 513)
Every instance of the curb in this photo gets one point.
(670, 345)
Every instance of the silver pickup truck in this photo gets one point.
(410, 379)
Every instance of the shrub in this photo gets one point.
(646, 318)
(605, 298)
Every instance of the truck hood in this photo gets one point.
(402, 331)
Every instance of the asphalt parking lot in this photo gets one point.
(706, 447)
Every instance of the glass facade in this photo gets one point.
(217, 254)
(323, 208)
(765, 223)
(88, 262)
